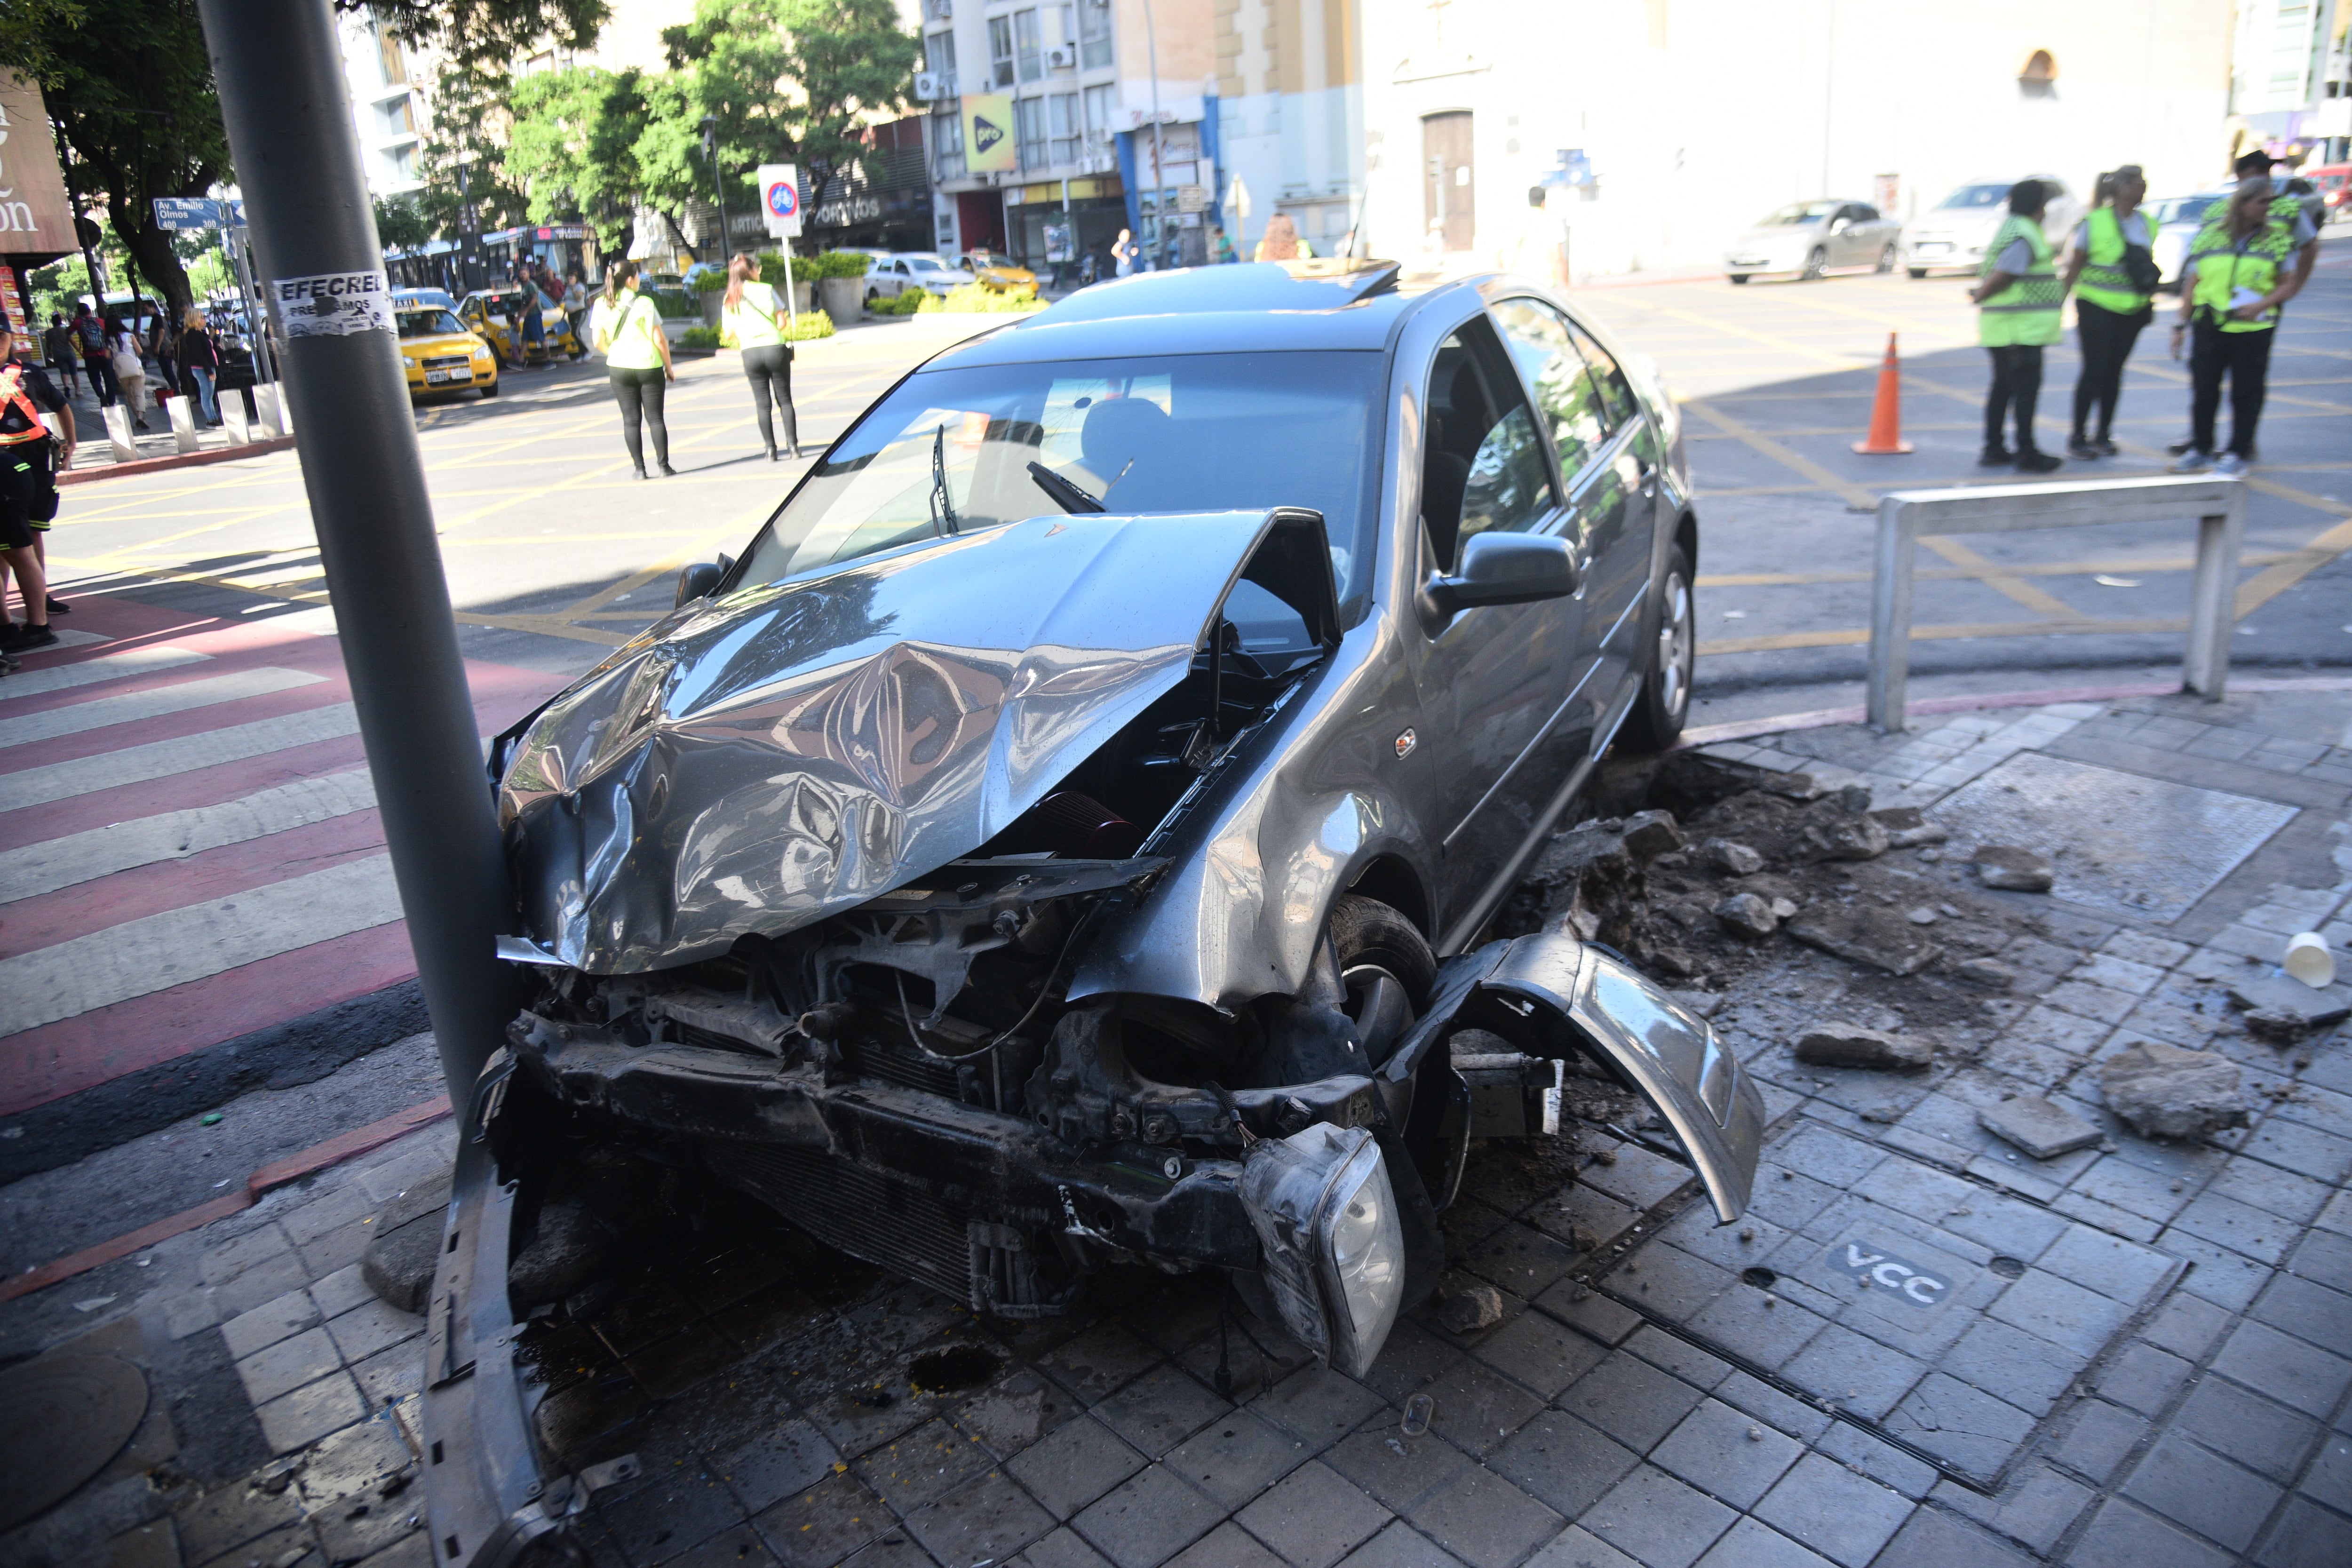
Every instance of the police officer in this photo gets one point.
(2239, 272)
(28, 491)
(2113, 274)
(2016, 317)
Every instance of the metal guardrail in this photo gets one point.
(2218, 507)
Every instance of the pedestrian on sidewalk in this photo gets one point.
(129, 370)
(1122, 255)
(2238, 274)
(29, 459)
(576, 305)
(163, 340)
(89, 332)
(200, 363)
(627, 329)
(2112, 272)
(57, 349)
(755, 320)
(2018, 305)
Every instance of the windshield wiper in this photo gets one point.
(942, 504)
(1067, 496)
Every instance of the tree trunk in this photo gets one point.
(150, 250)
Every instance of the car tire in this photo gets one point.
(1816, 263)
(1886, 259)
(1917, 272)
(1387, 966)
(1739, 278)
(1663, 701)
(488, 389)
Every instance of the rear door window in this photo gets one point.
(1573, 414)
(1485, 467)
(1616, 392)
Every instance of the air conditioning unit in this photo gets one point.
(1062, 58)
(932, 86)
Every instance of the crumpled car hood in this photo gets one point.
(759, 762)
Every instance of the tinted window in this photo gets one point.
(1864, 214)
(1484, 446)
(1615, 392)
(1565, 395)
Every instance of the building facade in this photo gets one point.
(1291, 101)
(2287, 81)
(387, 109)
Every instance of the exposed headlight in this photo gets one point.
(405, 360)
(1333, 1247)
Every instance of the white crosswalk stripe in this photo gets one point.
(162, 759)
(98, 712)
(105, 667)
(154, 954)
(176, 835)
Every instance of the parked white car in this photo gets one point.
(1951, 236)
(895, 273)
(2173, 223)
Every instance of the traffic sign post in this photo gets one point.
(780, 204)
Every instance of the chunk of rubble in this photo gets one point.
(1988, 973)
(1907, 827)
(1730, 857)
(2292, 1005)
(2040, 1127)
(1851, 1045)
(2164, 1091)
(1467, 1309)
(1745, 914)
(1793, 786)
(1705, 1004)
(1650, 834)
(1869, 937)
(1836, 837)
(2018, 870)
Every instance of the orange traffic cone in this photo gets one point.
(1886, 410)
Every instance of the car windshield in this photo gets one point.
(427, 323)
(1797, 213)
(1970, 198)
(2179, 209)
(925, 264)
(992, 258)
(1165, 434)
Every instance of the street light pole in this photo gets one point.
(718, 186)
(280, 77)
(1159, 164)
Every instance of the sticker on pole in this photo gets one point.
(333, 306)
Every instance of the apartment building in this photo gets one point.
(2287, 77)
(1290, 98)
(385, 108)
(1053, 124)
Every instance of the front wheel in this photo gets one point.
(1886, 259)
(1739, 278)
(1816, 264)
(488, 389)
(1656, 721)
(1917, 272)
(1386, 967)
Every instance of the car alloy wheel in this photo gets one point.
(1886, 259)
(1815, 265)
(1678, 648)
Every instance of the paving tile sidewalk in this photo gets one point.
(2143, 1357)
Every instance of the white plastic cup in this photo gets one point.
(2308, 960)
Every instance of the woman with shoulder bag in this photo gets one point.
(2113, 273)
(750, 318)
(627, 329)
(199, 363)
(129, 370)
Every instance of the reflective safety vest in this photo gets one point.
(2103, 280)
(2222, 269)
(2026, 312)
(14, 398)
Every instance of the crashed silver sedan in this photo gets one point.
(1066, 834)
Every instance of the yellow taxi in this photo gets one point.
(438, 354)
(996, 269)
(496, 316)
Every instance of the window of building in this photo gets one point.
(1029, 122)
(1063, 118)
(1100, 102)
(1094, 32)
(403, 161)
(396, 70)
(939, 53)
(947, 146)
(1000, 51)
(399, 118)
(1025, 41)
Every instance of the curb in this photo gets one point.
(177, 460)
(278, 1173)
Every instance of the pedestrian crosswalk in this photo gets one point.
(189, 846)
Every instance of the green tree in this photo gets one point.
(571, 148)
(401, 223)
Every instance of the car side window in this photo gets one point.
(1569, 402)
(1865, 213)
(1483, 468)
(1615, 391)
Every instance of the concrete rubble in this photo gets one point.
(1851, 1045)
(2165, 1092)
(2013, 869)
(2037, 1126)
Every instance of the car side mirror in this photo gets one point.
(1840, 226)
(1505, 569)
(697, 581)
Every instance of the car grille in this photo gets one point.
(893, 1062)
(449, 361)
(855, 1210)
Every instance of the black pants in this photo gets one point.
(101, 380)
(2016, 383)
(770, 372)
(640, 393)
(2246, 357)
(2107, 338)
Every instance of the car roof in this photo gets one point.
(1231, 309)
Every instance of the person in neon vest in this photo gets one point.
(2017, 304)
(2109, 268)
(2239, 272)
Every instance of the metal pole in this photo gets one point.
(1159, 164)
(718, 189)
(280, 77)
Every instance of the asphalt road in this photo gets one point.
(555, 554)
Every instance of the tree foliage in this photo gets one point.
(401, 223)
(572, 147)
(786, 78)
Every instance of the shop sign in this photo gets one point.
(35, 219)
(988, 145)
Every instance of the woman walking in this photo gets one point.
(753, 318)
(200, 363)
(129, 370)
(2112, 275)
(628, 333)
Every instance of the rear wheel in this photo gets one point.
(1886, 259)
(1739, 278)
(1816, 264)
(1386, 967)
(1656, 721)
(1917, 272)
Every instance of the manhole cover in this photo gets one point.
(65, 1415)
(2119, 842)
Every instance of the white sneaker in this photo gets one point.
(2232, 464)
(2192, 461)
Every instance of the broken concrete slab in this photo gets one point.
(1851, 1045)
(1702, 1004)
(1745, 914)
(1793, 786)
(1650, 834)
(1730, 857)
(2313, 1009)
(2017, 870)
(404, 1244)
(2164, 1091)
(1868, 937)
(2038, 1126)
(1833, 838)
(1467, 1309)
(1907, 827)
(1988, 973)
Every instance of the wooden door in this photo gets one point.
(1449, 186)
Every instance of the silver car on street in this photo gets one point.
(1951, 236)
(1808, 239)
